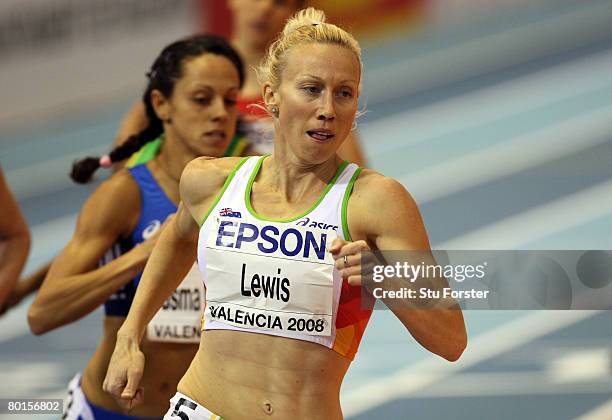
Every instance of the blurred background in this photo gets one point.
(495, 115)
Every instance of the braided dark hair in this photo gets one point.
(165, 72)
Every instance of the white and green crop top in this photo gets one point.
(276, 277)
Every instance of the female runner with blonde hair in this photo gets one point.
(284, 307)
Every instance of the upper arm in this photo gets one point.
(108, 214)
(12, 222)
(396, 224)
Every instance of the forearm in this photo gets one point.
(32, 282)
(441, 331)
(169, 263)
(432, 318)
(67, 299)
(24, 287)
(12, 262)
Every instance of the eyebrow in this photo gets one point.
(319, 79)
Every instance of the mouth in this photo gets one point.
(215, 135)
(321, 134)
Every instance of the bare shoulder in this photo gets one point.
(114, 206)
(380, 204)
(374, 187)
(203, 177)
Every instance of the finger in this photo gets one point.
(138, 399)
(112, 385)
(337, 244)
(117, 389)
(351, 260)
(125, 404)
(350, 271)
(133, 382)
(351, 248)
(354, 280)
(106, 385)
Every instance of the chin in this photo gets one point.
(212, 152)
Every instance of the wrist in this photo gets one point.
(128, 336)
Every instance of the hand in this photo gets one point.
(12, 299)
(124, 373)
(349, 268)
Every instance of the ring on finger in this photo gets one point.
(345, 259)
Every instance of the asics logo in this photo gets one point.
(314, 224)
(150, 230)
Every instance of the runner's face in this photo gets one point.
(202, 109)
(317, 99)
(258, 22)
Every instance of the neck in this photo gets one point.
(252, 57)
(295, 179)
(173, 157)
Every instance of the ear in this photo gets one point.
(161, 105)
(270, 97)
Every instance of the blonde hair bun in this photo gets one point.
(305, 27)
(305, 17)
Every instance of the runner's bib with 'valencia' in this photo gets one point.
(270, 276)
(180, 317)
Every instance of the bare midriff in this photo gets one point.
(244, 375)
(165, 364)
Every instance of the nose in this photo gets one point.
(218, 109)
(327, 110)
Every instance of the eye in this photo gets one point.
(230, 101)
(345, 93)
(202, 100)
(312, 89)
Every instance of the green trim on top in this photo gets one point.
(347, 194)
(247, 193)
(225, 185)
(146, 153)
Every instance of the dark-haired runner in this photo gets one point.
(191, 101)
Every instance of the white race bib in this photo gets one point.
(269, 276)
(180, 317)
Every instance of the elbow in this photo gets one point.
(37, 321)
(453, 352)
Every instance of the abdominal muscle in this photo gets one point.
(239, 375)
(165, 364)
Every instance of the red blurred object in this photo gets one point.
(215, 17)
(362, 17)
